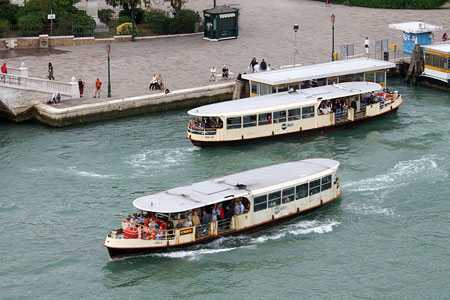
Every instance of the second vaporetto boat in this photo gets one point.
(289, 114)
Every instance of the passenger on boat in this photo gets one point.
(179, 224)
(353, 105)
(229, 213)
(134, 219)
(206, 217)
(215, 213)
(188, 222)
(241, 208)
(237, 209)
(222, 215)
(195, 218)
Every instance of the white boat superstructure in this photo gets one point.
(289, 114)
(232, 204)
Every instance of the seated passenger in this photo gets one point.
(195, 218)
(179, 224)
(188, 222)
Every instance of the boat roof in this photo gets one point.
(220, 189)
(283, 100)
(324, 70)
(415, 27)
(439, 47)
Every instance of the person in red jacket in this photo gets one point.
(4, 70)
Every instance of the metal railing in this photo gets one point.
(202, 131)
(224, 225)
(341, 114)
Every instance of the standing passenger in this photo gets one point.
(241, 208)
(237, 209)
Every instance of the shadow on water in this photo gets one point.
(13, 53)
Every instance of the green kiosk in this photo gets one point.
(221, 23)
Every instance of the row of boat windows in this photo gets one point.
(290, 194)
(271, 117)
(437, 61)
(264, 89)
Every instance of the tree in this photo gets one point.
(176, 5)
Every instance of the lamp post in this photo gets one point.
(108, 49)
(132, 22)
(333, 18)
(295, 41)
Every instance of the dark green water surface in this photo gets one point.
(388, 237)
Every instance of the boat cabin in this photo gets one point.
(289, 114)
(358, 69)
(437, 66)
(231, 204)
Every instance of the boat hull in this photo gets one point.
(434, 83)
(292, 135)
(116, 253)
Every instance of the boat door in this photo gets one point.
(274, 203)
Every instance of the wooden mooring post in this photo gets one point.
(416, 66)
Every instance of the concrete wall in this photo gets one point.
(58, 41)
(59, 117)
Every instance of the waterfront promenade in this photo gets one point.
(265, 32)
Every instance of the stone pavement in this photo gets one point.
(265, 32)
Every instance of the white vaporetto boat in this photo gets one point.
(230, 205)
(289, 114)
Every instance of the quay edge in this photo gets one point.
(110, 109)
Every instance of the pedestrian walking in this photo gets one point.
(251, 67)
(81, 84)
(4, 70)
(327, 3)
(50, 72)
(367, 45)
(263, 66)
(98, 86)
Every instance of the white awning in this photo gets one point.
(233, 186)
(415, 27)
(283, 100)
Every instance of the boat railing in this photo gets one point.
(341, 115)
(362, 110)
(202, 131)
(202, 230)
(224, 225)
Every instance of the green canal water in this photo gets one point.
(388, 237)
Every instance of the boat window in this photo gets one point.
(279, 116)
(260, 203)
(233, 123)
(288, 195)
(314, 187)
(249, 121)
(274, 89)
(294, 87)
(294, 114)
(446, 60)
(443, 63)
(379, 77)
(332, 80)
(358, 77)
(301, 191)
(428, 59)
(326, 183)
(370, 77)
(345, 78)
(308, 112)
(264, 89)
(274, 199)
(320, 82)
(264, 119)
(254, 88)
(283, 88)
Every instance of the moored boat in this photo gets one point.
(289, 114)
(235, 204)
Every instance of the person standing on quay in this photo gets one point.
(98, 86)
(4, 70)
(50, 72)
(263, 66)
(81, 84)
(367, 45)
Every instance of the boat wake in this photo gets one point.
(227, 244)
(403, 173)
(161, 158)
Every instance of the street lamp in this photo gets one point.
(132, 21)
(333, 18)
(108, 49)
(295, 43)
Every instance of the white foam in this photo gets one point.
(403, 173)
(161, 158)
(89, 174)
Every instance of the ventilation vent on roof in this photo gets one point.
(241, 186)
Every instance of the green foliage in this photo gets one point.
(105, 15)
(80, 18)
(8, 11)
(139, 14)
(161, 23)
(401, 4)
(123, 19)
(4, 27)
(157, 20)
(31, 24)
